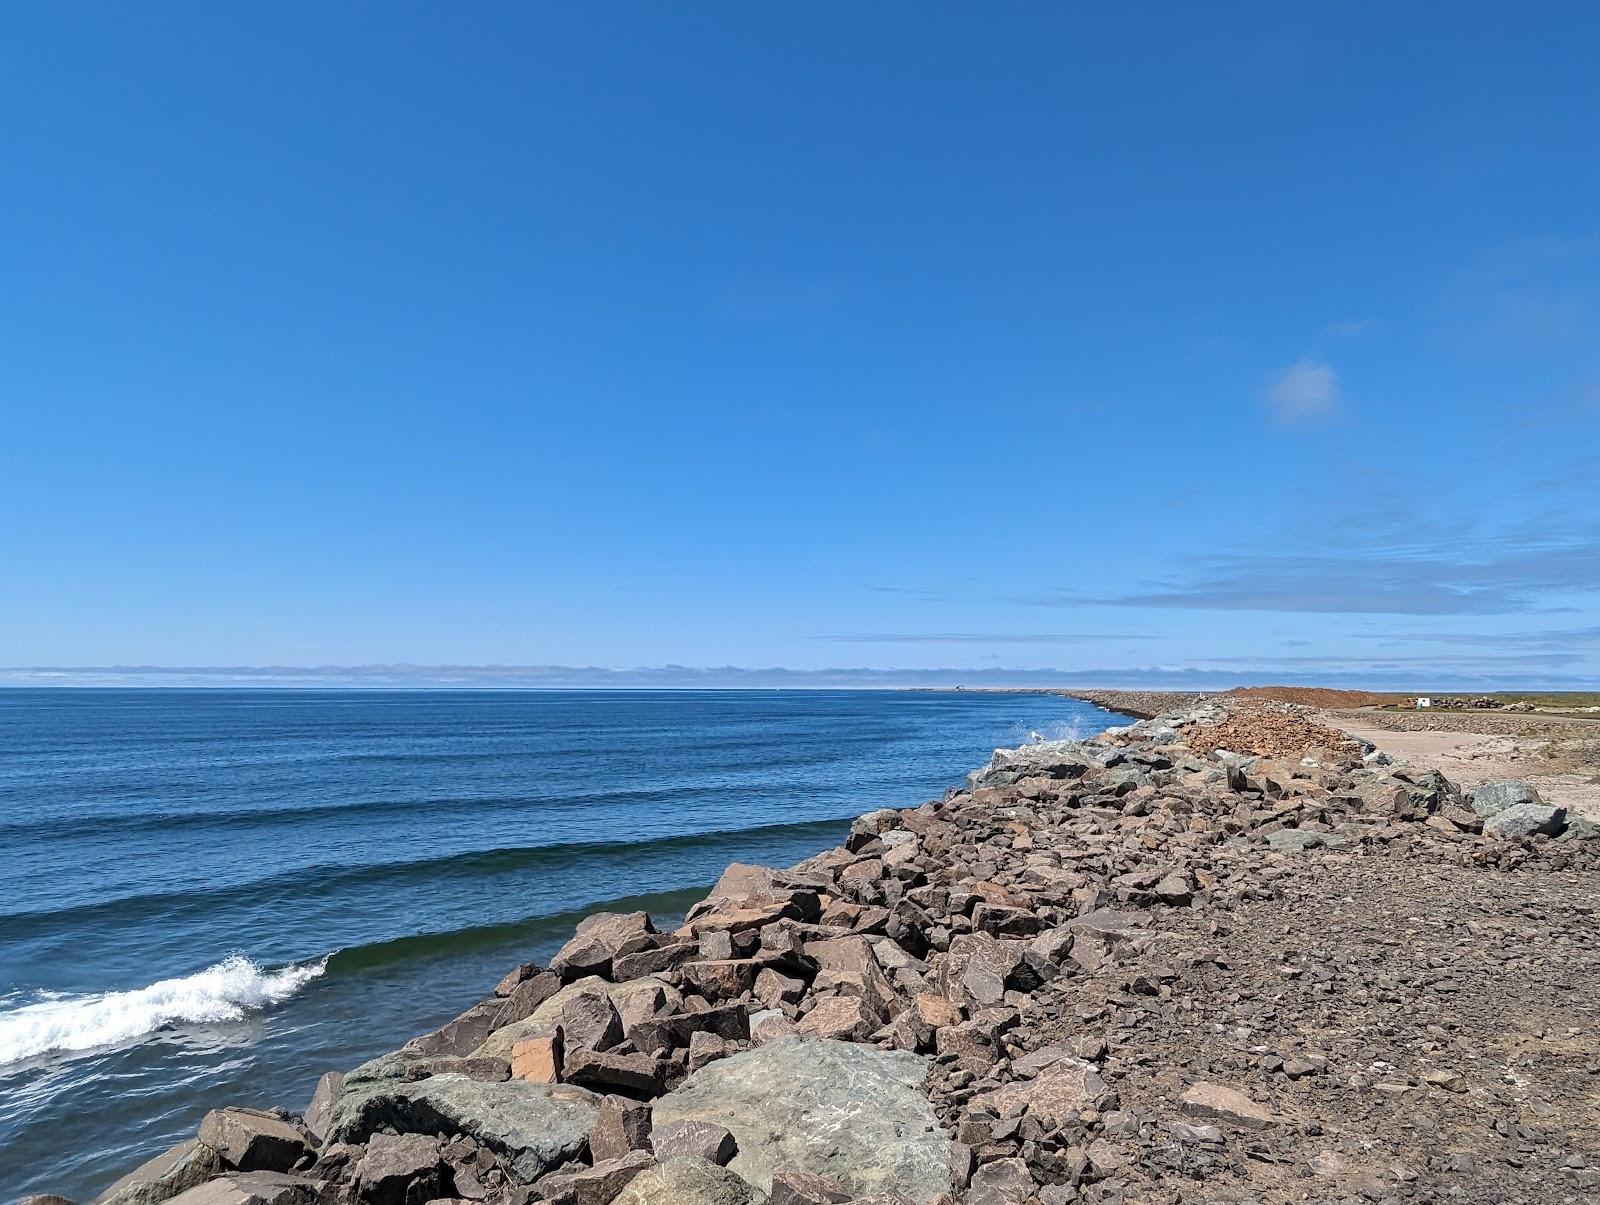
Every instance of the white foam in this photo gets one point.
(224, 992)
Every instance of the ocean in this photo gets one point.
(212, 897)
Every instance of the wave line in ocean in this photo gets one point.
(224, 992)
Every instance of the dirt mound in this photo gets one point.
(1272, 730)
(1317, 696)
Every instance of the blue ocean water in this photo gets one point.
(215, 896)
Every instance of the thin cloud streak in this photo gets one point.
(979, 637)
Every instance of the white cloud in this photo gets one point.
(1307, 390)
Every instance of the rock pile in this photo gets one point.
(1036, 990)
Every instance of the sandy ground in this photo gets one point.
(1556, 756)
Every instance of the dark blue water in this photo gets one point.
(211, 896)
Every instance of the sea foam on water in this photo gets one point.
(223, 992)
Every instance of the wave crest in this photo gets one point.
(224, 992)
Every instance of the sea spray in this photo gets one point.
(224, 992)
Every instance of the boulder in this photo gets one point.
(400, 1169)
(1003, 1182)
(1491, 798)
(690, 1182)
(532, 1127)
(621, 1126)
(1062, 1090)
(1228, 1105)
(462, 1035)
(538, 1059)
(596, 1185)
(250, 1141)
(597, 940)
(253, 1188)
(853, 1113)
(1043, 759)
(321, 1106)
(164, 1177)
(976, 967)
(729, 1021)
(844, 1018)
(693, 1140)
(608, 1071)
(527, 995)
(549, 1012)
(1526, 820)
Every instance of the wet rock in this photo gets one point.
(251, 1141)
(882, 1130)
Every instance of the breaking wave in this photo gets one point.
(224, 992)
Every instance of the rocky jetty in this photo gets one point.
(1224, 954)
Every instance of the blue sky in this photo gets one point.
(1157, 342)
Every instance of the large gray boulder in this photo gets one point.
(1043, 759)
(533, 1127)
(164, 1177)
(689, 1182)
(1491, 798)
(854, 1113)
(1526, 820)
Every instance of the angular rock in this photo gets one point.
(461, 1036)
(526, 996)
(608, 1071)
(882, 1131)
(1526, 820)
(1491, 798)
(589, 1021)
(321, 1106)
(690, 1182)
(620, 1127)
(976, 968)
(596, 1185)
(538, 1059)
(1003, 1182)
(400, 1169)
(532, 1127)
(1226, 1104)
(1058, 1093)
(845, 1018)
(690, 1139)
(596, 942)
(250, 1141)
(174, 1170)
(660, 1033)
